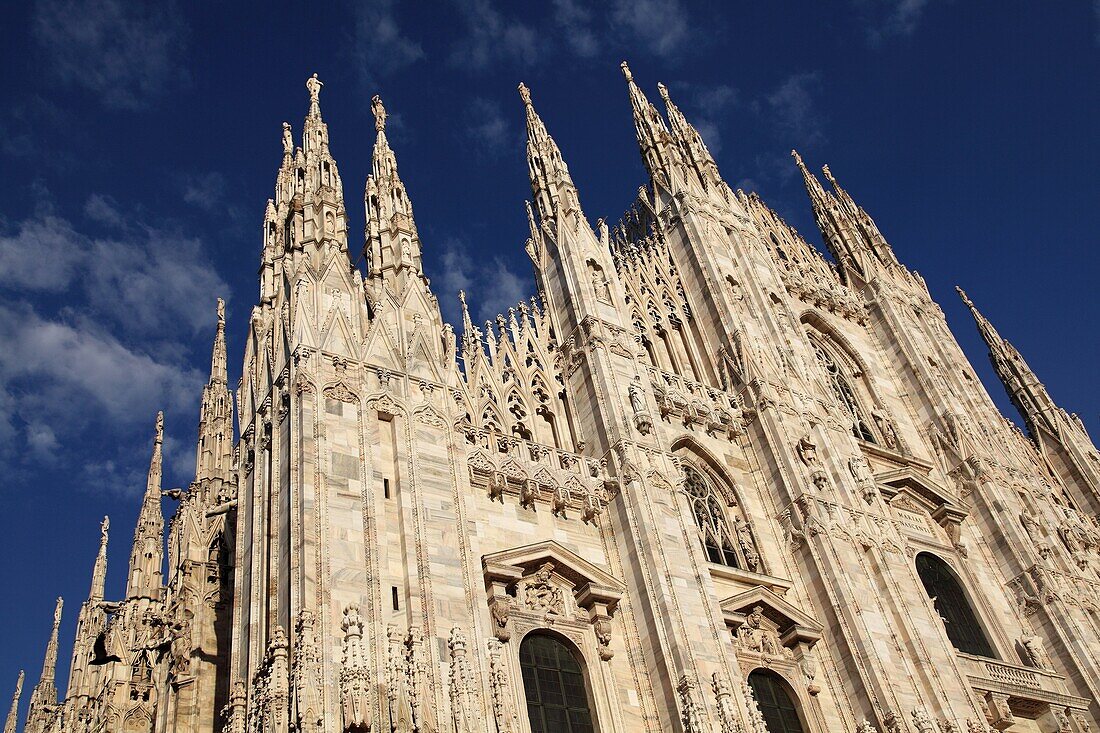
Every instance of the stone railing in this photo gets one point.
(1022, 683)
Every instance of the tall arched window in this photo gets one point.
(726, 536)
(775, 703)
(842, 388)
(553, 683)
(949, 600)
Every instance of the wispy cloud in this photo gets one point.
(710, 106)
(660, 26)
(792, 107)
(491, 286)
(490, 131)
(491, 37)
(207, 191)
(142, 277)
(574, 21)
(97, 332)
(886, 19)
(129, 54)
(380, 45)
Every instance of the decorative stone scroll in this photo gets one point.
(545, 583)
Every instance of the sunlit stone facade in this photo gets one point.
(707, 480)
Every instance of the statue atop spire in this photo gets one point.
(214, 452)
(313, 85)
(12, 721)
(99, 571)
(43, 705)
(288, 141)
(379, 111)
(147, 553)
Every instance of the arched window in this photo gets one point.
(949, 600)
(842, 388)
(775, 703)
(724, 543)
(554, 686)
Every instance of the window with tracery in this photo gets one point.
(725, 543)
(842, 388)
(949, 599)
(553, 684)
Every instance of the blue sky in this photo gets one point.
(139, 145)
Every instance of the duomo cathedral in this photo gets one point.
(708, 480)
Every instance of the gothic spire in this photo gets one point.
(147, 554)
(12, 721)
(214, 452)
(691, 143)
(470, 340)
(44, 696)
(827, 215)
(99, 570)
(653, 135)
(392, 242)
(1024, 388)
(550, 179)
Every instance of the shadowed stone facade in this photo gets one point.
(707, 480)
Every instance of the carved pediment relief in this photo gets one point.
(911, 490)
(764, 623)
(550, 583)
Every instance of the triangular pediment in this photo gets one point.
(923, 491)
(589, 579)
(792, 624)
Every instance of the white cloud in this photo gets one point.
(491, 37)
(63, 382)
(488, 127)
(147, 280)
(491, 287)
(126, 53)
(380, 46)
(40, 255)
(205, 191)
(887, 19)
(575, 22)
(792, 106)
(661, 26)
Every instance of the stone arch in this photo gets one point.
(850, 379)
(778, 702)
(552, 666)
(725, 531)
(954, 604)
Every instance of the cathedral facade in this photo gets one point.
(707, 480)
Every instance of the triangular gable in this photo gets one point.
(793, 624)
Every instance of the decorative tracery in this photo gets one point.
(838, 380)
(726, 539)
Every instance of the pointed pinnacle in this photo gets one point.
(968, 301)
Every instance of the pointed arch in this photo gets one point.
(846, 374)
(724, 530)
(949, 597)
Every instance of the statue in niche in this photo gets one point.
(748, 546)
